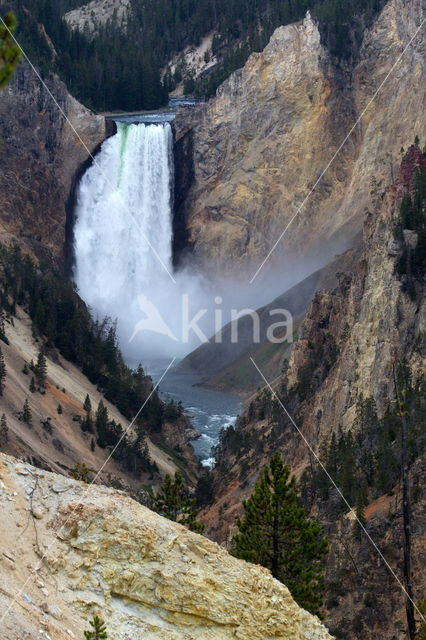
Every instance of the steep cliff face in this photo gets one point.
(273, 128)
(144, 575)
(349, 343)
(372, 320)
(40, 159)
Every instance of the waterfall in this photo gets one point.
(123, 200)
(123, 224)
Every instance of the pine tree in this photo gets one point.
(276, 534)
(2, 372)
(172, 502)
(87, 424)
(26, 412)
(87, 406)
(4, 430)
(32, 385)
(10, 53)
(59, 409)
(2, 329)
(41, 370)
(361, 502)
(102, 424)
(99, 630)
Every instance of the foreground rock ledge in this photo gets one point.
(146, 576)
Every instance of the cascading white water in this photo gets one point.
(124, 201)
(123, 228)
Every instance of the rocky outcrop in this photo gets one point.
(40, 160)
(86, 550)
(97, 13)
(260, 146)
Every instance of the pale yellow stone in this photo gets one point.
(145, 576)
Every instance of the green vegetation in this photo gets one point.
(40, 370)
(120, 69)
(87, 423)
(204, 490)
(2, 373)
(173, 502)
(366, 463)
(276, 534)
(99, 630)
(81, 472)
(26, 412)
(412, 216)
(10, 53)
(4, 430)
(321, 356)
(3, 337)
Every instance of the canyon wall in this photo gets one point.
(258, 148)
(144, 575)
(40, 160)
(350, 342)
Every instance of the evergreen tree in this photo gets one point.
(275, 533)
(172, 502)
(87, 405)
(10, 53)
(102, 424)
(40, 370)
(4, 430)
(87, 424)
(2, 372)
(361, 503)
(59, 409)
(2, 329)
(99, 630)
(32, 385)
(26, 412)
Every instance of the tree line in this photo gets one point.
(123, 68)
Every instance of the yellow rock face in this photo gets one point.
(274, 127)
(147, 577)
